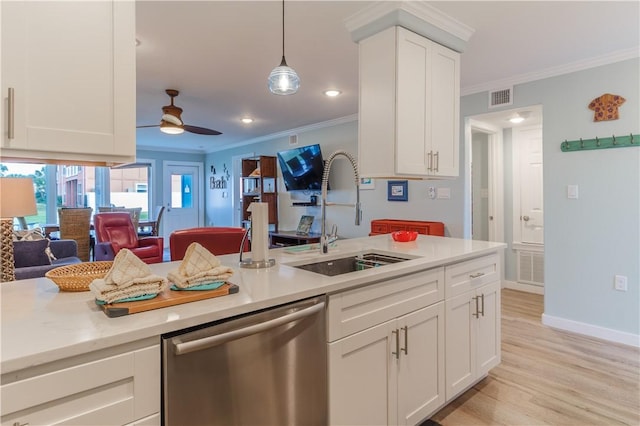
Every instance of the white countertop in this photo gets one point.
(42, 324)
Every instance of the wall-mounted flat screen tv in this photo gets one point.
(302, 168)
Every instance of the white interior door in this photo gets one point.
(529, 211)
(182, 196)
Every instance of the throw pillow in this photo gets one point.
(28, 234)
(30, 253)
(34, 234)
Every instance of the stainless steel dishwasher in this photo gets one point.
(265, 368)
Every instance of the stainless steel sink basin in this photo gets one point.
(353, 263)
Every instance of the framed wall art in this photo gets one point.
(397, 190)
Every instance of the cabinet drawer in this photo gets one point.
(470, 274)
(355, 310)
(114, 390)
(380, 228)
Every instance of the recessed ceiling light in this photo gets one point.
(516, 120)
(247, 120)
(332, 93)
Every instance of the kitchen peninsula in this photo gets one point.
(63, 359)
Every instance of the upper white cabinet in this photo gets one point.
(68, 81)
(409, 106)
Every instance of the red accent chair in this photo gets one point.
(218, 240)
(115, 231)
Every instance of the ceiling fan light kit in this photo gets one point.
(171, 122)
(283, 80)
(170, 128)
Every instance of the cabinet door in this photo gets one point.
(445, 111)
(421, 383)
(361, 378)
(488, 323)
(413, 109)
(460, 338)
(71, 66)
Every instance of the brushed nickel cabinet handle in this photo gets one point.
(436, 158)
(482, 297)
(476, 275)
(406, 340)
(477, 312)
(11, 114)
(397, 352)
(430, 161)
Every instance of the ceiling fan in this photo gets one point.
(171, 121)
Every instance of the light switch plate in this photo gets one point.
(572, 192)
(444, 193)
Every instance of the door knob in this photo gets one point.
(525, 218)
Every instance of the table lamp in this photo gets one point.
(16, 199)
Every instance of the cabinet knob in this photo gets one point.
(525, 218)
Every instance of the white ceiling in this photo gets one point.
(219, 54)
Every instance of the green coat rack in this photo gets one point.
(604, 143)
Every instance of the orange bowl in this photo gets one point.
(404, 236)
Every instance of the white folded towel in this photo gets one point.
(199, 266)
(128, 277)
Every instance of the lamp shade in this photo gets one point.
(283, 80)
(17, 197)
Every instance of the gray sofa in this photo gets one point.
(31, 260)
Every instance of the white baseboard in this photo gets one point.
(592, 330)
(529, 288)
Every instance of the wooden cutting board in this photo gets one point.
(166, 298)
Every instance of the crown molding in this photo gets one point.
(302, 129)
(613, 57)
(417, 16)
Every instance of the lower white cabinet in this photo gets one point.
(392, 373)
(472, 336)
(116, 389)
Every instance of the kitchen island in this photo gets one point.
(46, 333)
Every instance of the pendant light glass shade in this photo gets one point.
(283, 80)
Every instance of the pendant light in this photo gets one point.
(283, 80)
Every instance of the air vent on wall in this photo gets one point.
(530, 267)
(501, 97)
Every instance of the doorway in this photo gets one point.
(236, 189)
(182, 196)
(505, 190)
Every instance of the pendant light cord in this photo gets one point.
(283, 29)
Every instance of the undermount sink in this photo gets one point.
(353, 263)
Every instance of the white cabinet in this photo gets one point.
(392, 373)
(116, 389)
(472, 336)
(386, 351)
(409, 106)
(68, 81)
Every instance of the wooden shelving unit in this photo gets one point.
(261, 187)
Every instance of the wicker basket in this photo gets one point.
(78, 276)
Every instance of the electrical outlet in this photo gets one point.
(432, 192)
(620, 283)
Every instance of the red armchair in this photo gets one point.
(115, 231)
(218, 240)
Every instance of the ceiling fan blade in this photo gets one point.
(201, 130)
(150, 125)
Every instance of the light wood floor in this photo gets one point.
(550, 377)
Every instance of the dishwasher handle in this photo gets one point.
(211, 341)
